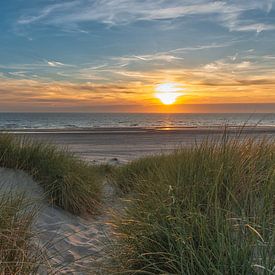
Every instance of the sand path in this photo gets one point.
(75, 245)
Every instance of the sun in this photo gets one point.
(168, 93)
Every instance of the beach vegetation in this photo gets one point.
(19, 252)
(203, 209)
(68, 181)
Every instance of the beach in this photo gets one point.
(80, 229)
(137, 137)
(103, 145)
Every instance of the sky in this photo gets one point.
(113, 55)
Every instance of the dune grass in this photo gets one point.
(69, 182)
(207, 209)
(18, 252)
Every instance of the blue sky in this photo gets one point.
(58, 55)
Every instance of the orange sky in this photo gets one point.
(207, 85)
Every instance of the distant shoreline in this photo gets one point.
(129, 130)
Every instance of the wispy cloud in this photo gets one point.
(142, 67)
(165, 56)
(173, 57)
(46, 12)
(58, 64)
(117, 12)
(223, 66)
(65, 93)
(203, 47)
(55, 64)
(269, 57)
(35, 66)
(234, 23)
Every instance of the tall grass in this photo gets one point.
(68, 181)
(207, 209)
(18, 252)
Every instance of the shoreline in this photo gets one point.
(120, 145)
(157, 129)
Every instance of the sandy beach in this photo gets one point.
(124, 144)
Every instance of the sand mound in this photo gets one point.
(75, 245)
(19, 182)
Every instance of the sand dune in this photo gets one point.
(74, 244)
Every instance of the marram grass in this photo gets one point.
(18, 252)
(68, 181)
(207, 209)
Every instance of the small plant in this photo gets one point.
(68, 181)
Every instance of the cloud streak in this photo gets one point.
(120, 12)
(55, 64)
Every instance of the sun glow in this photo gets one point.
(168, 93)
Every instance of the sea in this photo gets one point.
(10, 121)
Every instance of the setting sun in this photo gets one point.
(168, 93)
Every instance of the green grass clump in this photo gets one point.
(68, 181)
(18, 252)
(207, 209)
(124, 177)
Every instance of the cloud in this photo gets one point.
(269, 57)
(38, 92)
(203, 47)
(18, 74)
(257, 27)
(143, 67)
(229, 64)
(171, 55)
(174, 57)
(47, 12)
(119, 12)
(55, 64)
(165, 57)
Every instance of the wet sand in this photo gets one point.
(124, 144)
